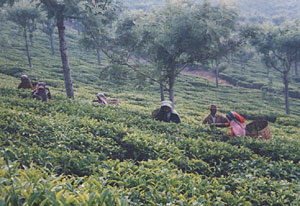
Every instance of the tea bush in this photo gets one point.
(74, 152)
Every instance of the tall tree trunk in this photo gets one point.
(286, 92)
(217, 72)
(31, 38)
(98, 57)
(296, 69)
(64, 55)
(243, 67)
(77, 26)
(162, 94)
(217, 76)
(27, 48)
(51, 43)
(171, 84)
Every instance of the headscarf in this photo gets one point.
(41, 84)
(102, 97)
(24, 77)
(167, 104)
(166, 116)
(233, 115)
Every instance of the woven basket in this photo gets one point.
(259, 128)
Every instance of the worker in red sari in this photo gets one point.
(236, 122)
(41, 92)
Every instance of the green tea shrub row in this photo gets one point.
(76, 145)
(154, 182)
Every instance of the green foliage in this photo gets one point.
(12, 71)
(74, 152)
(82, 145)
(175, 35)
(23, 17)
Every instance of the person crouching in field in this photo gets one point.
(213, 117)
(26, 83)
(236, 122)
(166, 113)
(41, 92)
(101, 99)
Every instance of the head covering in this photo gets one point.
(102, 98)
(101, 95)
(167, 116)
(213, 106)
(24, 77)
(170, 105)
(167, 104)
(230, 116)
(233, 115)
(41, 84)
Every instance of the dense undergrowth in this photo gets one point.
(74, 152)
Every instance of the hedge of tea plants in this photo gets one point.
(71, 152)
(74, 152)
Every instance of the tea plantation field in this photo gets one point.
(74, 152)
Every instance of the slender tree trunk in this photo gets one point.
(286, 92)
(98, 57)
(64, 55)
(270, 83)
(27, 48)
(243, 67)
(77, 25)
(31, 38)
(268, 72)
(217, 72)
(51, 43)
(296, 69)
(217, 76)
(171, 84)
(162, 94)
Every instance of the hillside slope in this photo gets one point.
(74, 152)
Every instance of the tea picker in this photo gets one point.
(213, 117)
(236, 122)
(166, 113)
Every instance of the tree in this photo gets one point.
(32, 27)
(98, 28)
(61, 10)
(218, 68)
(170, 38)
(48, 26)
(24, 18)
(243, 56)
(225, 42)
(224, 48)
(279, 48)
(7, 2)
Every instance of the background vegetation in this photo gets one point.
(74, 152)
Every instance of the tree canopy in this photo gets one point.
(280, 48)
(178, 34)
